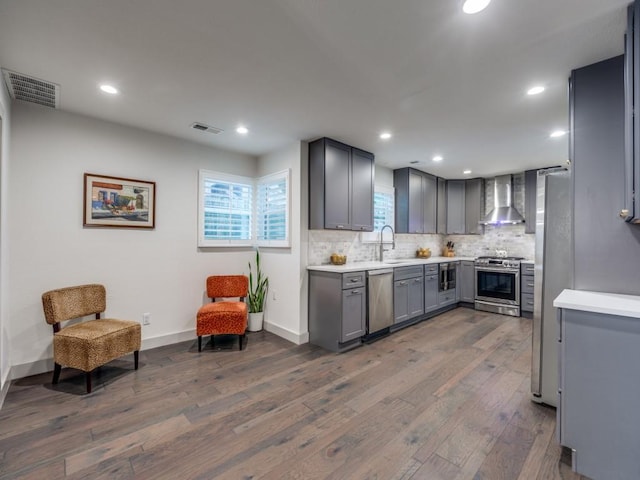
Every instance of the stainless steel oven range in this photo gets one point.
(498, 285)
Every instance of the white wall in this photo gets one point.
(5, 352)
(285, 313)
(160, 271)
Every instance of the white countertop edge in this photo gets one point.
(599, 302)
(358, 266)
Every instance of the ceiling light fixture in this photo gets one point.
(467, 172)
(437, 158)
(475, 6)
(110, 89)
(535, 90)
(385, 135)
(558, 133)
(242, 130)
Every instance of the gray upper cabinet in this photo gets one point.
(416, 201)
(456, 207)
(630, 207)
(530, 185)
(340, 186)
(441, 215)
(474, 206)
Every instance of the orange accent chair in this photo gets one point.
(224, 317)
(90, 344)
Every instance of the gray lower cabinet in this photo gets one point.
(467, 282)
(526, 287)
(599, 388)
(408, 293)
(337, 309)
(430, 292)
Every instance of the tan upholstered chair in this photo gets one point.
(225, 317)
(89, 344)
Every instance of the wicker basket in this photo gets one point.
(338, 259)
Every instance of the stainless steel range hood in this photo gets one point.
(503, 211)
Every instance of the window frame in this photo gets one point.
(205, 175)
(374, 237)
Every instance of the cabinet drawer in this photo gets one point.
(431, 269)
(402, 273)
(353, 279)
(446, 297)
(527, 268)
(526, 302)
(526, 284)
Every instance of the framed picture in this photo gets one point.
(118, 202)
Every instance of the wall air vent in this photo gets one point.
(31, 89)
(206, 128)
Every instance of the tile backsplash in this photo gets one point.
(322, 243)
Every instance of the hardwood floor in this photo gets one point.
(444, 399)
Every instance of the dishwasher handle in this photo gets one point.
(380, 271)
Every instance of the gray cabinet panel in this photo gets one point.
(416, 297)
(340, 186)
(353, 314)
(530, 182)
(603, 244)
(415, 202)
(455, 207)
(467, 282)
(526, 302)
(362, 190)
(400, 300)
(598, 409)
(474, 206)
(441, 216)
(430, 203)
(337, 186)
(430, 292)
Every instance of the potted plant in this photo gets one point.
(258, 287)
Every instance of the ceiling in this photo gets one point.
(441, 81)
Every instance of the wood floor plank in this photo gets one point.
(446, 398)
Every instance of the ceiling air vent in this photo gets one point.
(206, 128)
(31, 89)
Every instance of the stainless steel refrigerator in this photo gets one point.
(553, 273)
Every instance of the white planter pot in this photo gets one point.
(255, 321)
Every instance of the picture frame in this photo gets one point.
(116, 202)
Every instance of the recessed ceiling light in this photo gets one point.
(557, 133)
(466, 172)
(385, 135)
(110, 89)
(538, 89)
(242, 130)
(437, 158)
(475, 6)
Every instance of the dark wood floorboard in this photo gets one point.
(444, 399)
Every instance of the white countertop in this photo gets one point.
(599, 302)
(391, 263)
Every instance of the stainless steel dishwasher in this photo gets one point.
(380, 300)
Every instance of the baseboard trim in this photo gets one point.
(3, 392)
(297, 338)
(46, 365)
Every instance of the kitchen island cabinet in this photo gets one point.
(599, 384)
(340, 186)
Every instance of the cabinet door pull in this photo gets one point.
(339, 226)
(356, 292)
(353, 280)
(529, 284)
(417, 280)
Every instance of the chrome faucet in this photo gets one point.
(393, 240)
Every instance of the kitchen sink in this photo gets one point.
(398, 260)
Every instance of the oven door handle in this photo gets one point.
(498, 270)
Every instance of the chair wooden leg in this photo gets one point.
(136, 356)
(56, 372)
(199, 343)
(88, 377)
(241, 337)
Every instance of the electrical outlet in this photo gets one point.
(146, 318)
